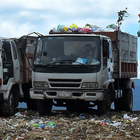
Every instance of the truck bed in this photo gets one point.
(124, 53)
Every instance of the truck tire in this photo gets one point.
(44, 107)
(105, 105)
(8, 107)
(127, 100)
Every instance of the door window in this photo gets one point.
(7, 62)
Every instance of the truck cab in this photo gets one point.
(66, 73)
(10, 75)
(16, 55)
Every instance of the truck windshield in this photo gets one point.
(68, 50)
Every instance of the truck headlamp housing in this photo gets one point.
(41, 84)
(90, 85)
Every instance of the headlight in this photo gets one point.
(41, 84)
(89, 85)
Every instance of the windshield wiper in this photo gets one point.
(44, 65)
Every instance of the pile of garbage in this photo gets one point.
(87, 28)
(70, 126)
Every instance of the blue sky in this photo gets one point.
(20, 17)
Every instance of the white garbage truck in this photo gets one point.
(16, 55)
(82, 70)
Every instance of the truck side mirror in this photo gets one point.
(105, 53)
(105, 48)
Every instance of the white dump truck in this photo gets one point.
(79, 71)
(16, 57)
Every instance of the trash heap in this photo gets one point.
(62, 125)
(87, 28)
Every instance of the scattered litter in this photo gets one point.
(125, 116)
(116, 124)
(102, 123)
(67, 126)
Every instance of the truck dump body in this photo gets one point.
(124, 48)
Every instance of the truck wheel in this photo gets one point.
(101, 106)
(44, 107)
(127, 100)
(108, 99)
(31, 105)
(105, 105)
(8, 107)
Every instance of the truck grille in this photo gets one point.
(56, 83)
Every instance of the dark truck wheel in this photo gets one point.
(8, 107)
(44, 107)
(127, 100)
(125, 103)
(105, 105)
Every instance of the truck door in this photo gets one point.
(107, 55)
(15, 63)
(110, 61)
(7, 62)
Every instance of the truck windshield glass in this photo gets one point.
(68, 50)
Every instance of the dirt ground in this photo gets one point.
(63, 125)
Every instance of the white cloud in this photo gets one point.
(42, 15)
(45, 14)
(18, 17)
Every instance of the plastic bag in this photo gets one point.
(73, 26)
(61, 28)
(94, 27)
(82, 30)
(112, 26)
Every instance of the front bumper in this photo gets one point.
(87, 95)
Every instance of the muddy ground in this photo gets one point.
(64, 125)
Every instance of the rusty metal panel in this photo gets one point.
(26, 57)
(112, 35)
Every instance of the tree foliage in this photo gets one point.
(121, 15)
